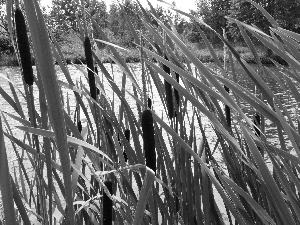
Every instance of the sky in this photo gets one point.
(184, 5)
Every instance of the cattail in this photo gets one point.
(96, 71)
(23, 45)
(176, 94)
(168, 89)
(227, 111)
(79, 126)
(148, 138)
(149, 103)
(256, 121)
(127, 136)
(90, 65)
(107, 205)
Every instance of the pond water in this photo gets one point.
(77, 74)
(13, 73)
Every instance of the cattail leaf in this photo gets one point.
(140, 208)
(19, 203)
(188, 149)
(269, 181)
(42, 49)
(72, 140)
(9, 100)
(6, 190)
(291, 34)
(32, 151)
(196, 103)
(223, 98)
(23, 46)
(254, 205)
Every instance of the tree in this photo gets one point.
(62, 18)
(285, 12)
(213, 13)
(119, 24)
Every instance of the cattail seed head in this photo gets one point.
(23, 45)
(148, 138)
(96, 71)
(127, 136)
(256, 121)
(169, 98)
(176, 94)
(90, 65)
(79, 126)
(107, 205)
(169, 92)
(149, 103)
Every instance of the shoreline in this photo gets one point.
(133, 56)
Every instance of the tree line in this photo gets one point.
(63, 18)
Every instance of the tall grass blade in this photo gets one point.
(141, 205)
(5, 185)
(42, 48)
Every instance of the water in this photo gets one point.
(14, 75)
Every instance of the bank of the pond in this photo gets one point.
(133, 56)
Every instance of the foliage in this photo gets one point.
(286, 13)
(62, 18)
(211, 166)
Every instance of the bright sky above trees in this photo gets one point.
(184, 5)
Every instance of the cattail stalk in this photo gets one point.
(90, 65)
(23, 45)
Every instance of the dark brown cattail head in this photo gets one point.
(127, 136)
(107, 205)
(90, 65)
(256, 121)
(169, 98)
(149, 103)
(96, 71)
(227, 111)
(169, 92)
(176, 94)
(79, 126)
(23, 45)
(148, 138)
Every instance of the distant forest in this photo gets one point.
(62, 20)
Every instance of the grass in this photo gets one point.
(76, 169)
